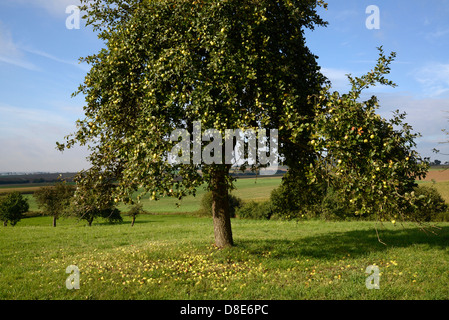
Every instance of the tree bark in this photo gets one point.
(54, 221)
(220, 208)
(132, 222)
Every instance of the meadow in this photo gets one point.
(256, 189)
(172, 256)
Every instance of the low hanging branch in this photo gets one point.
(370, 161)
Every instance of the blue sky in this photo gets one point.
(39, 71)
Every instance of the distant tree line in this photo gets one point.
(36, 178)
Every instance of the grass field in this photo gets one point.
(246, 188)
(173, 257)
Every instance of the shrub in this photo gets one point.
(333, 208)
(255, 210)
(206, 205)
(112, 215)
(294, 198)
(430, 205)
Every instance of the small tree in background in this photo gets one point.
(12, 208)
(89, 210)
(135, 211)
(91, 202)
(54, 200)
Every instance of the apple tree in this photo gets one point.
(92, 200)
(229, 64)
(54, 200)
(370, 161)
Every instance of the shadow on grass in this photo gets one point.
(357, 243)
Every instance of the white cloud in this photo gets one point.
(10, 53)
(82, 66)
(342, 21)
(18, 63)
(24, 115)
(345, 15)
(428, 116)
(14, 53)
(338, 78)
(33, 154)
(28, 140)
(434, 79)
(56, 8)
(437, 34)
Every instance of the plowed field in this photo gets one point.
(438, 175)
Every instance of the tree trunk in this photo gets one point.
(54, 221)
(132, 222)
(220, 207)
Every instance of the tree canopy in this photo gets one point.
(169, 65)
(54, 200)
(12, 207)
(166, 64)
(369, 160)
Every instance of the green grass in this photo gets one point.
(173, 257)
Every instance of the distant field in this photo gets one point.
(22, 189)
(438, 178)
(257, 189)
(437, 174)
